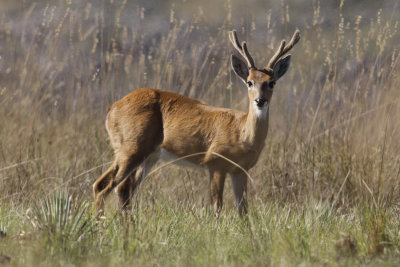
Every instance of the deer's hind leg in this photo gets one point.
(101, 184)
(135, 133)
(122, 173)
(126, 165)
(126, 189)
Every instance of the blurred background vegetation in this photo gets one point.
(62, 63)
(334, 118)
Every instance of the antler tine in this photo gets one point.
(277, 55)
(241, 48)
(235, 41)
(250, 60)
(284, 49)
(292, 42)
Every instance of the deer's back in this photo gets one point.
(180, 124)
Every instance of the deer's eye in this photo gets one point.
(250, 83)
(271, 84)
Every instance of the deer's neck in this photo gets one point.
(255, 127)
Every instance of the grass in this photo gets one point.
(273, 234)
(326, 187)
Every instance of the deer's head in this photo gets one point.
(260, 82)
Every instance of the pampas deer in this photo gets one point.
(149, 124)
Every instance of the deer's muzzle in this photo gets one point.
(260, 102)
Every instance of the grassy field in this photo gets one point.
(325, 191)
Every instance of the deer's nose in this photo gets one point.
(260, 102)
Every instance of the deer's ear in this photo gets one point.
(281, 67)
(240, 68)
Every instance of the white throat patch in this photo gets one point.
(261, 113)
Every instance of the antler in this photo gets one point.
(284, 49)
(242, 49)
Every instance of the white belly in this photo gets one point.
(167, 156)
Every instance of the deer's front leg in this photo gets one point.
(239, 185)
(217, 181)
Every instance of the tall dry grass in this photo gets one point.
(325, 189)
(334, 126)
